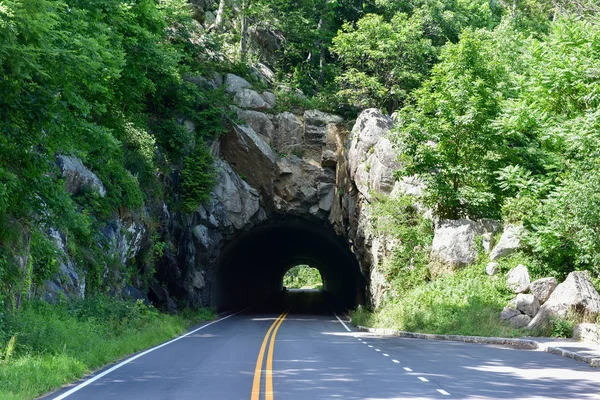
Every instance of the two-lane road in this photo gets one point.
(309, 353)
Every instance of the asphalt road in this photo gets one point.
(314, 356)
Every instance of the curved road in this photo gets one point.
(315, 356)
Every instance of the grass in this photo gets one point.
(467, 302)
(53, 345)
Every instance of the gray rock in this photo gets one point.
(201, 82)
(289, 132)
(209, 18)
(77, 176)
(269, 98)
(587, 332)
(370, 127)
(251, 157)
(543, 288)
(234, 83)
(233, 202)
(248, 98)
(492, 268)
(518, 280)
(527, 304)
(509, 242)
(453, 245)
(514, 318)
(316, 125)
(487, 241)
(260, 122)
(575, 296)
(325, 191)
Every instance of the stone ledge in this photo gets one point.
(530, 344)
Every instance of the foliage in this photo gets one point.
(401, 220)
(102, 81)
(51, 345)
(465, 303)
(562, 328)
(446, 136)
(302, 276)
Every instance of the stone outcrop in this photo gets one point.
(453, 245)
(514, 317)
(543, 288)
(77, 176)
(576, 296)
(527, 304)
(518, 279)
(247, 98)
(508, 243)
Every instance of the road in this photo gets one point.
(314, 356)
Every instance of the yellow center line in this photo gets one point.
(269, 372)
(259, 361)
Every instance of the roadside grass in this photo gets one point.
(467, 302)
(57, 344)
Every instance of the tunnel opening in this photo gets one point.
(252, 267)
(303, 276)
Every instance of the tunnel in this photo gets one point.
(251, 267)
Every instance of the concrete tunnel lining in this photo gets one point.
(252, 266)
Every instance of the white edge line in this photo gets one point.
(108, 371)
(442, 391)
(342, 322)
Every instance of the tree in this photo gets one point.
(447, 136)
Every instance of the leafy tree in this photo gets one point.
(447, 135)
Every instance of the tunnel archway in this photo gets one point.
(252, 266)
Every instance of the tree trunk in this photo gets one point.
(244, 31)
(321, 45)
(218, 24)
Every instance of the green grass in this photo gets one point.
(57, 344)
(465, 303)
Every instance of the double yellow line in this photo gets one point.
(259, 362)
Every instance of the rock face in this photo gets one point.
(234, 84)
(77, 176)
(576, 295)
(509, 242)
(543, 288)
(527, 304)
(518, 279)
(514, 317)
(247, 98)
(454, 245)
(491, 269)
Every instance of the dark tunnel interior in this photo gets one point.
(251, 267)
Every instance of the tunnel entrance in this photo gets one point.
(252, 266)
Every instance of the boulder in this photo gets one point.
(325, 192)
(316, 125)
(514, 317)
(527, 304)
(234, 83)
(260, 122)
(543, 288)
(508, 243)
(453, 245)
(269, 98)
(518, 280)
(587, 332)
(492, 268)
(233, 203)
(576, 296)
(250, 156)
(77, 176)
(248, 98)
(289, 133)
(487, 241)
(383, 162)
(370, 127)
